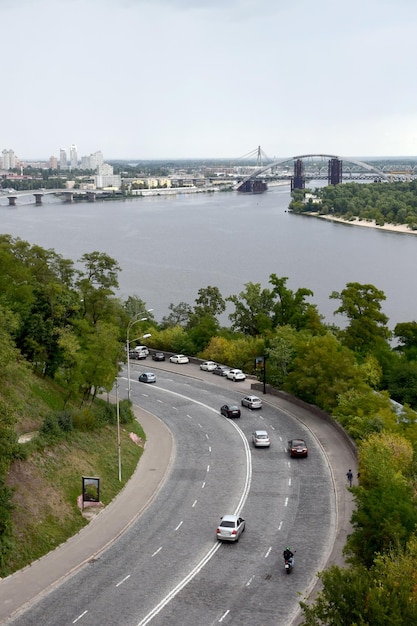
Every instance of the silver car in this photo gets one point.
(208, 366)
(179, 358)
(252, 402)
(260, 439)
(230, 528)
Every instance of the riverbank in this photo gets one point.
(396, 228)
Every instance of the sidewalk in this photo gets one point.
(21, 588)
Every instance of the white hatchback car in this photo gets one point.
(208, 366)
(179, 358)
(252, 402)
(235, 375)
(230, 528)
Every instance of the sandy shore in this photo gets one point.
(396, 228)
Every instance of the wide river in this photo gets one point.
(171, 246)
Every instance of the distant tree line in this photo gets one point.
(393, 203)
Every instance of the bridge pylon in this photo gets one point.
(298, 181)
(334, 176)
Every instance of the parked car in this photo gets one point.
(230, 528)
(179, 358)
(260, 439)
(147, 377)
(252, 402)
(158, 356)
(221, 370)
(208, 366)
(235, 375)
(297, 448)
(134, 355)
(230, 410)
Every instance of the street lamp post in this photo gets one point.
(129, 326)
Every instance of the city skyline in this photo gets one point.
(208, 79)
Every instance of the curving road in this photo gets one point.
(168, 568)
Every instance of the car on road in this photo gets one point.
(221, 370)
(235, 375)
(252, 402)
(230, 410)
(260, 439)
(230, 528)
(141, 352)
(147, 377)
(179, 358)
(208, 366)
(297, 448)
(158, 356)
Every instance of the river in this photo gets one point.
(171, 246)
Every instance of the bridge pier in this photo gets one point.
(298, 181)
(38, 198)
(69, 196)
(12, 200)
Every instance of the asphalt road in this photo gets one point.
(167, 568)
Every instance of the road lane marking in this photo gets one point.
(268, 552)
(203, 485)
(194, 503)
(280, 526)
(208, 468)
(179, 525)
(79, 617)
(156, 551)
(289, 482)
(224, 615)
(249, 581)
(286, 502)
(123, 580)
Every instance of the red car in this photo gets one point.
(297, 448)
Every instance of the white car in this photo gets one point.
(235, 375)
(208, 366)
(179, 358)
(230, 528)
(252, 402)
(261, 439)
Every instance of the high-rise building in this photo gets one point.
(73, 157)
(63, 159)
(9, 159)
(53, 163)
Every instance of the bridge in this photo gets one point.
(68, 194)
(255, 182)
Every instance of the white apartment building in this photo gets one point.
(9, 159)
(106, 178)
(93, 161)
(63, 163)
(73, 157)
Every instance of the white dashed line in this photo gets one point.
(194, 503)
(249, 581)
(289, 482)
(268, 552)
(286, 502)
(156, 551)
(208, 468)
(179, 525)
(224, 615)
(123, 580)
(203, 485)
(280, 526)
(79, 617)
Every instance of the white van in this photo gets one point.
(141, 352)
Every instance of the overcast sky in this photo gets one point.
(166, 79)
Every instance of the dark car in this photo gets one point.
(147, 377)
(221, 370)
(230, 410)
(297, 448)
(158, 356)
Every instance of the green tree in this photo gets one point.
(253, 310)
(291, 307)
(367, 327)
(322, 370)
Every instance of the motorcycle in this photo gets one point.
(289, 564)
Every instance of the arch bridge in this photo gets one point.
(255, 182)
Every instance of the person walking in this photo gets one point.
(349, 475)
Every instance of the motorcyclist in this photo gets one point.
(289, 556)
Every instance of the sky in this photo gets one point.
(176, 79)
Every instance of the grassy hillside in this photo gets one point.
(46, 480)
